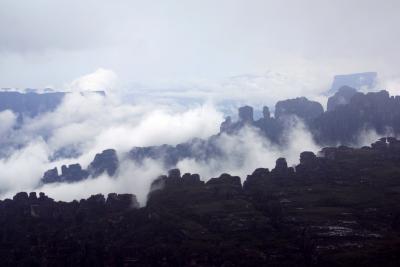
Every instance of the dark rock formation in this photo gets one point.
(120, 202)
(170, 155)
(246, 114)
(341, 125)
(51, 176)
(191, 179)
(307, 158)
(300, 107)
(373, 111)
(106, 161)
(270, 127)
(339, 209)
(71, 173)
(341, 97)
(280, 166)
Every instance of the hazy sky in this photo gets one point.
(49, 43)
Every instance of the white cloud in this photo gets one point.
(24, 168)
(7, 121)
(249, 150)
(92, 123)
(132, 179)
(100, 80)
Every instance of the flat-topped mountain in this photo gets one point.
(366, 80)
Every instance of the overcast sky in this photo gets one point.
(51, 42)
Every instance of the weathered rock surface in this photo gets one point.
(341, 208)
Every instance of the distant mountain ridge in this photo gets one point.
(31, 103)
(376, 111)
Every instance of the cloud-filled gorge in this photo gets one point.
(87, 123)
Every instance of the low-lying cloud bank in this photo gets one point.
(86, 124)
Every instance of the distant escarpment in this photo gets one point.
(340, 207)
(31, 104)
(350, 114)
(364, 80)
